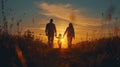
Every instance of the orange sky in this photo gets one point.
(84, 24)
(88, 23)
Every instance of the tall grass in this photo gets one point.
(104, 52)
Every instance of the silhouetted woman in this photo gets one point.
(70, 34)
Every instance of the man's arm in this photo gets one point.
(46, 30)
(55, 30)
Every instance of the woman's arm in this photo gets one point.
(65, 31)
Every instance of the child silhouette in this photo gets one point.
(59, 40)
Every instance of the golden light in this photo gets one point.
(63, 45)
(62, 40)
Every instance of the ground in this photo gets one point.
(25, 52)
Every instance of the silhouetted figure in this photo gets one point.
(50, 32)
(70, 34)
(59, 40)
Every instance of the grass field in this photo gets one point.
(29, 52)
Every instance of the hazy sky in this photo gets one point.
(86, 15)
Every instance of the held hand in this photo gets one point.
(55, 35)
(63, 36)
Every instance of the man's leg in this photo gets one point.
(52, 40)
(49, 41)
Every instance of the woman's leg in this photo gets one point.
(69, 39)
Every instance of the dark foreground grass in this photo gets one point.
(26, 52)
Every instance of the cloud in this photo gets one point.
(64, 13)
(61, 11)
(69, 13)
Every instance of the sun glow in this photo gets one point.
(63, 45)
(62, 40)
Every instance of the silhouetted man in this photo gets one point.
(50, 32)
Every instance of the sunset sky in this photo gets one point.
(86, 15)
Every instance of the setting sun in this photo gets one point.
(63, 45)
(62, 40)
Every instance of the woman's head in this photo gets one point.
(70, 25)
(70, 30)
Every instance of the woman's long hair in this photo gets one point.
(71, 30)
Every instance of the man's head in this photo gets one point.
(51, 20)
